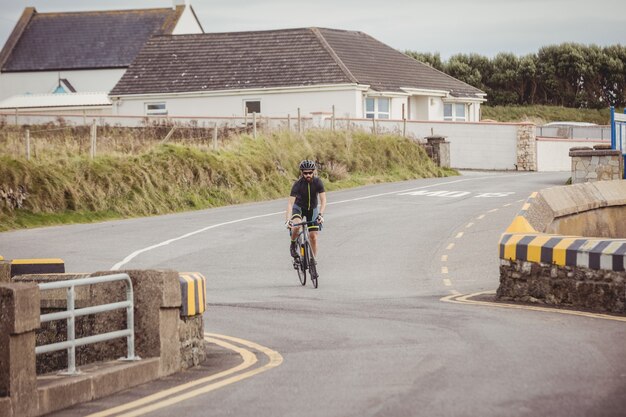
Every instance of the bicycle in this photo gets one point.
(305, 260)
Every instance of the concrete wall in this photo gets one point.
(166, 342)
(15, 83)
(582, 271)
(553, 153)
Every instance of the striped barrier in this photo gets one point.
(37, 266)
(522, 242)
(193, 291)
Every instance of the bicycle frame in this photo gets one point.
(306, 259)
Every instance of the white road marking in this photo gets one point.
(450, 246)
(447, 282)
(482, 216)
(493, 210)
(444, 269)
(459, 235)
(444, 258)
(494, 195)
(469, 225)
(138, 252)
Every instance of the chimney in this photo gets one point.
(176, 3)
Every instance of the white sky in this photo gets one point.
(445, 26)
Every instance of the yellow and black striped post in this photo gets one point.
(37, 266)
(193, 292)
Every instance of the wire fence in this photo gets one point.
(33, 135)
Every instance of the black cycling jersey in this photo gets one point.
(306, 192)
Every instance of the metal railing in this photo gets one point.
(71, 313)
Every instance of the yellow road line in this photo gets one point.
(249, 359)
(465, 300)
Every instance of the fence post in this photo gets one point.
(404, 127)
(299, 121)
(333, 120)
(93, 139)
(215, 136)
(28, 144)
(289, 122)
(374, 125)
(16, 116)
(254, 125)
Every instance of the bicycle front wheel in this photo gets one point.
(301, 267)
(312, 265)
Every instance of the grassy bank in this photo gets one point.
(545, 114)
(172, 178)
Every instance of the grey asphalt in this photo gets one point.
(374, 339)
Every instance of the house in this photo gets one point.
(82, 52)
(277, 72)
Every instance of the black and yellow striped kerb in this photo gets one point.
(37, 266)
(607, 254)
(193, 291)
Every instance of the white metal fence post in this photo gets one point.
(254, 125)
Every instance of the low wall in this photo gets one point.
(540, 264)
(166, 339)
(553, 153)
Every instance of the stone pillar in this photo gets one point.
(438, 150)
(526, 147)
(598, 164)
(19, 318)
(5, 272)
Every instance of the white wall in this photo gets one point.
(420, 108)
(277, 104)
(553, 154)
(187, 23)
(15, 83)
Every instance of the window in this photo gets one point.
(454, 112)
(377, 107)
(253, 106)
(156, 109)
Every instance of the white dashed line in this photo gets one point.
(447, 282)
(444, 269)
(469, 225)
(482, 216)
(450, 246)
(444, 258)
(459, 235)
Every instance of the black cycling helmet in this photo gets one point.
(307, 165)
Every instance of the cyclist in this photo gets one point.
(303, 202)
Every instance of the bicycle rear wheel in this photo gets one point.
(312, 265)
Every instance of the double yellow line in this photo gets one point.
(186, 391)
(467, 299)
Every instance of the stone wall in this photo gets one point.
(526, 147)
(598, 290)
(598, 164)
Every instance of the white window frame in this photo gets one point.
(160, 111)
(376, 114)
(453, 112)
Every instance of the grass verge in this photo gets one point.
(174, 178)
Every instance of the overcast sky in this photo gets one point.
(445, 26)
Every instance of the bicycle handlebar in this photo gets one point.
(307, 223)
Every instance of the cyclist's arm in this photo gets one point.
(322, 203)
(290, 203)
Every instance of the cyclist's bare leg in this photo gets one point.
(313, 237)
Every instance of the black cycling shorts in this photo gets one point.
(297, 213)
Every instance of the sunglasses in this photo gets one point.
(307, 173)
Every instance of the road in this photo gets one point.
(375, 339)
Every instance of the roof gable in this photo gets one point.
(86, 40)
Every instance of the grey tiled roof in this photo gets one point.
(86, 40)
(277, 58)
